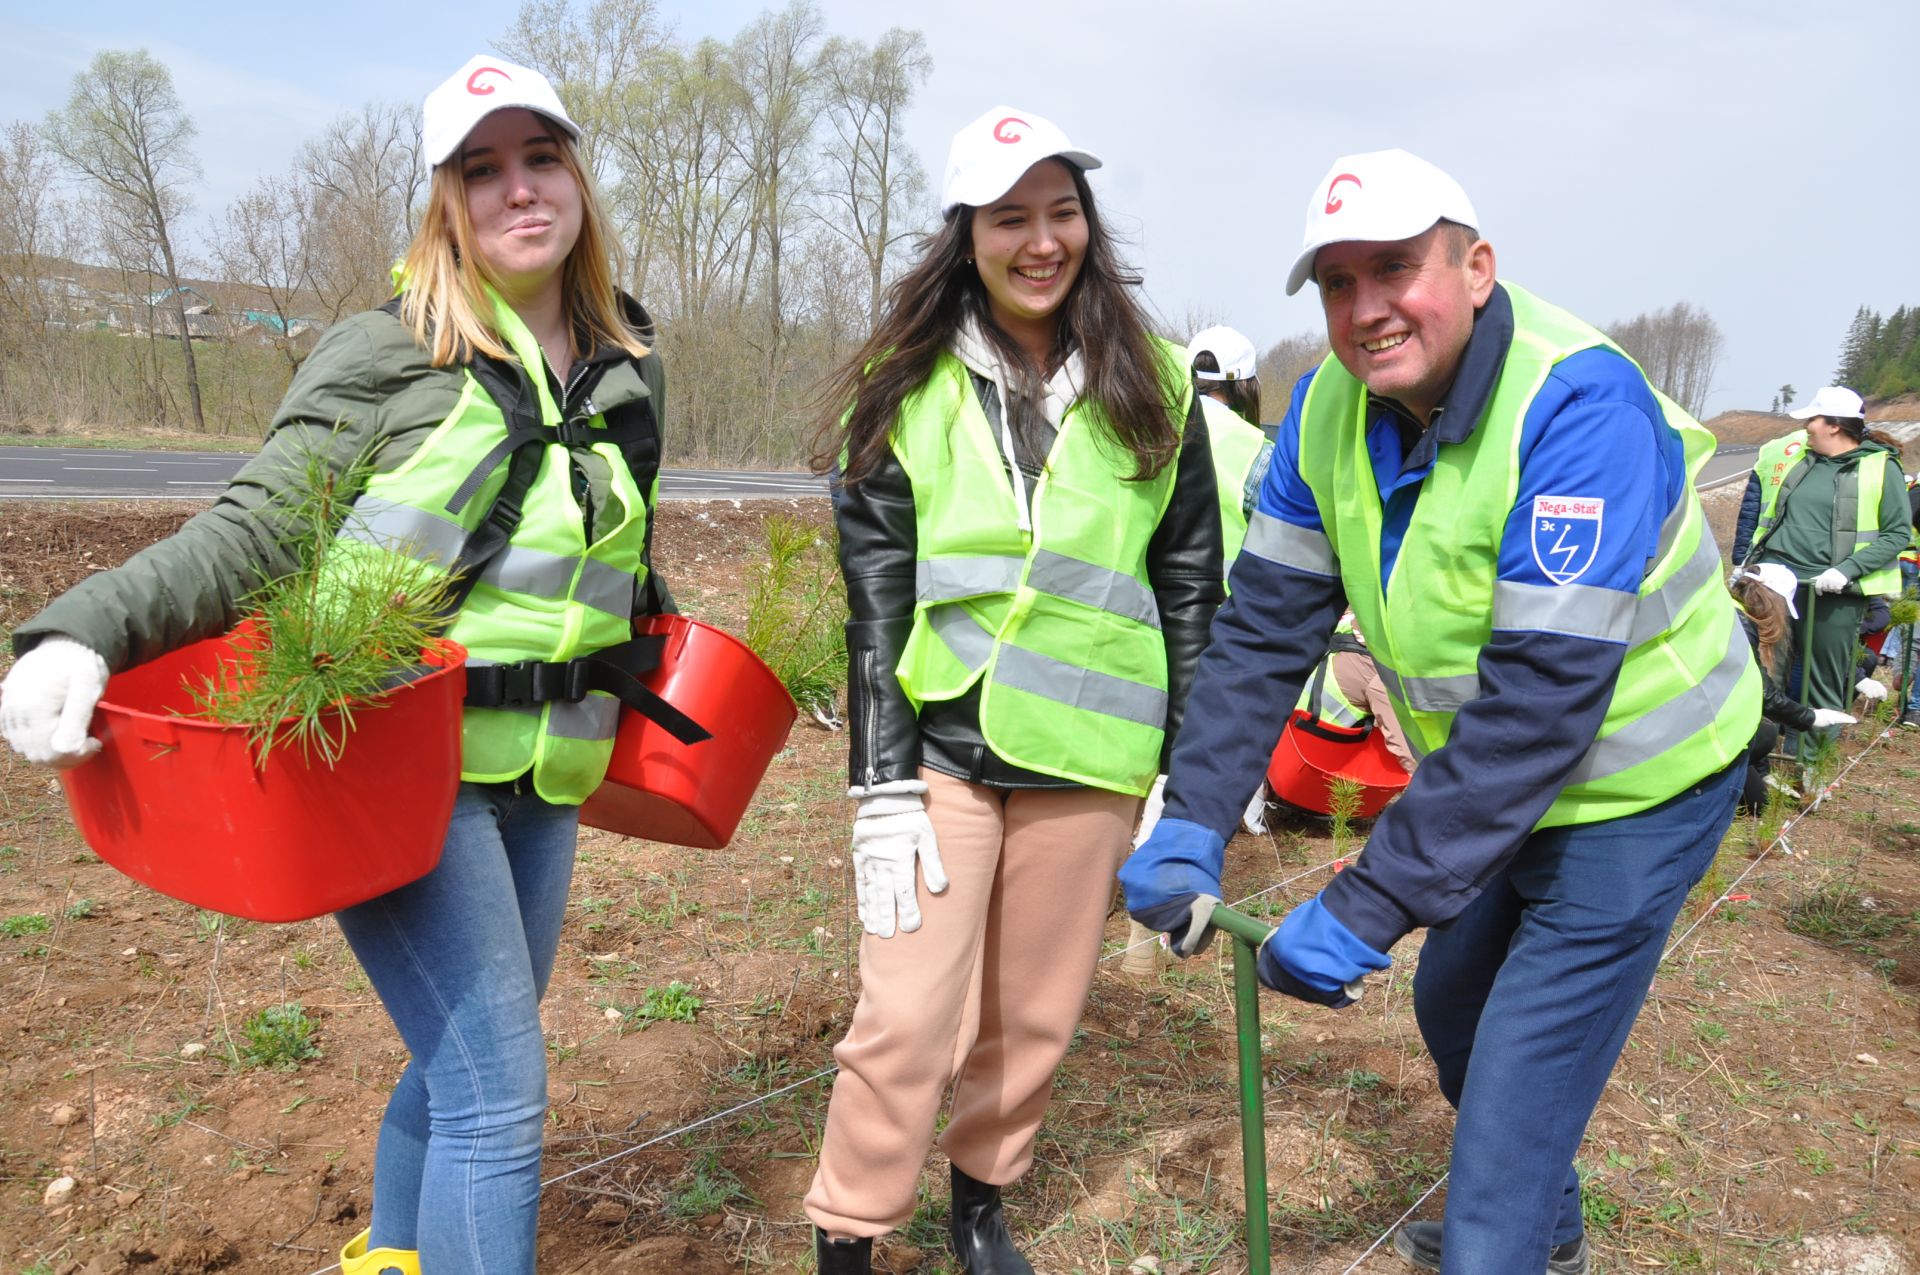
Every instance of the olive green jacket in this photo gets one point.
(367, 385)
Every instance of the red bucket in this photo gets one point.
(178, 803)
(694, 794)
(1311, 755)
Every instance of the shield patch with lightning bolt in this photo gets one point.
(1566, 535)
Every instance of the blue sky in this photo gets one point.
(1750, 156)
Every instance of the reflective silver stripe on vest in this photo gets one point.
(1081, 688)
(950, 579)
(1430, 694)
(403, 529)
(955, 625)
(947, 579)
(1340, 713)
(547, 575)
(1658, 610)
(595, 717)
(1658, 729)
(1097, 587)
(1280, 541)
(1577, 610)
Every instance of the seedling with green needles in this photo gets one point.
(346, 623)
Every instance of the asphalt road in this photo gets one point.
(54, 473)
(79, 473)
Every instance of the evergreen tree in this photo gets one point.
(1856, 351)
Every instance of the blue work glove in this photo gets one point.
(1172, 882)
(1313, 957)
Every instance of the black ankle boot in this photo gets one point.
(842, 1257)
(979, 1230)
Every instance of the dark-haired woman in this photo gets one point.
(1031, 543)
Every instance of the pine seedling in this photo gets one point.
(345, 624)
(797, 612)
(1820, 757)
(1344, 798)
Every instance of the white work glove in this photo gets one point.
(1825, 717)
(1832, 580)
(1254, 818)
(1872, 691)
(891, 833)
(46, 703)
(1150, 811)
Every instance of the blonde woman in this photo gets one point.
(515, 409)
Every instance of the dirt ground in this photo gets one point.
(1766, 1115)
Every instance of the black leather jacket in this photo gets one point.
(877, 544)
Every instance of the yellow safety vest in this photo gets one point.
(1058, 625)
(1688, 695)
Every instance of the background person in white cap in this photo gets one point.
(1508, 507)
(1828, 502)
(1226, 368)
(1030, 537)
(508, 297)
(1764, 594)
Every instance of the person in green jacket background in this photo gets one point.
(509, 360)
(1830, 504)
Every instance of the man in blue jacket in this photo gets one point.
(1507, 504)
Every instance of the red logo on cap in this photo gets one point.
(481, 90)
(1000, 133)
(1334, 203)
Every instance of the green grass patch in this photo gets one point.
(279, 1037)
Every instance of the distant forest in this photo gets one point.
(1880, 357)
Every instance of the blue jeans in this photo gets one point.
(1891, 653)
(460, 959)
(1536, 985)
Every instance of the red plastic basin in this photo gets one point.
(1309, 758)
(178, 803)
(694, 794)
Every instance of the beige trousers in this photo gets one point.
(1360, 682)
(985, 995)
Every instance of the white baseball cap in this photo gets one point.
(1836, 402)
(1776, 576)
(989, 155)
(484, 85)
(1235, 354)
(1379, 197)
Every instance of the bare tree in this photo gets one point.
(1678, 348)
(773, 63)
(33, 227)
(1283, 363)
(264, 243)
(124, 130)
(704, 193)
(591, 54)
(364, 181)
(869, 175)
(27, 206)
